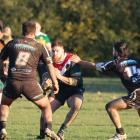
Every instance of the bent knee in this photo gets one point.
(76, 108)
(108, 107)
(43, 103)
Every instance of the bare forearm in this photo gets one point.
(68, 80)
(89, 65)
(52, 74)
(49, 47)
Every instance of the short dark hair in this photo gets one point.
(122, 48)
(57, 42)
(28, 27)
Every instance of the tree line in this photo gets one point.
(87, 27)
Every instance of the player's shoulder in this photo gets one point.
(130, 61)
(135, 59)
(68, 58)
(68, 54)
(11, 43)
(42, 35)
(39, 45)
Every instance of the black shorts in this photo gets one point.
(30, 89)
(133, 99)
(63, 95)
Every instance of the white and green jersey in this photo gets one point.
(43, 39)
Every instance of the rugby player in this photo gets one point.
(128, 70)
(24, 54)
(2, 77)
(70, 85)
(43, 39)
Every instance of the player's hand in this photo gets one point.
(55, 88)
(47, 84)
(75, 59)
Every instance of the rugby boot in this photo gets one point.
(51, 134)
(3, 134)
(119, 137)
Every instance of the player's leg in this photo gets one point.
(112, 109)
(10, 93)
(75, 103)
(4, 112)
(54, 106)
(137, 100)
(35, 94)
(45, 107)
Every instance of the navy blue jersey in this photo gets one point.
(24, 55)
(127, 69)
(69, 69)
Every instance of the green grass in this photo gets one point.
(92, 122)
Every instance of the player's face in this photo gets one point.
(38, 28)
(58, 53)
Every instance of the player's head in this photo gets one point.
(7, 31)
(58, 50)
(7, 34)
(28, 27)
(120, 49)
(38, 28)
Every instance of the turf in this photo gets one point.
(92, 122)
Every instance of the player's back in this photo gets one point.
(130, 73)
(24, 55)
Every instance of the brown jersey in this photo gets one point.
(24, 55)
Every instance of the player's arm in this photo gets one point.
(75, 76)
(108, 66)
(52, 74)
(128, 62)
(3, 57)
(88, 65)
(48, 43)
(49, 47)
(101, 66)
(4, 52)
(84, 64)
(48, 61)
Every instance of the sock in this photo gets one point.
(63, 127)
(120, 131)
(42, 133)
(2, 124)
(49, 125)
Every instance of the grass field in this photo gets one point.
(92, 122)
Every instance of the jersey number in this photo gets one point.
(22, 58)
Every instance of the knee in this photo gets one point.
(108, 107)
(45, 106)
(76, 108)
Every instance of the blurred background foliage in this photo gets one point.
(87, 27)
